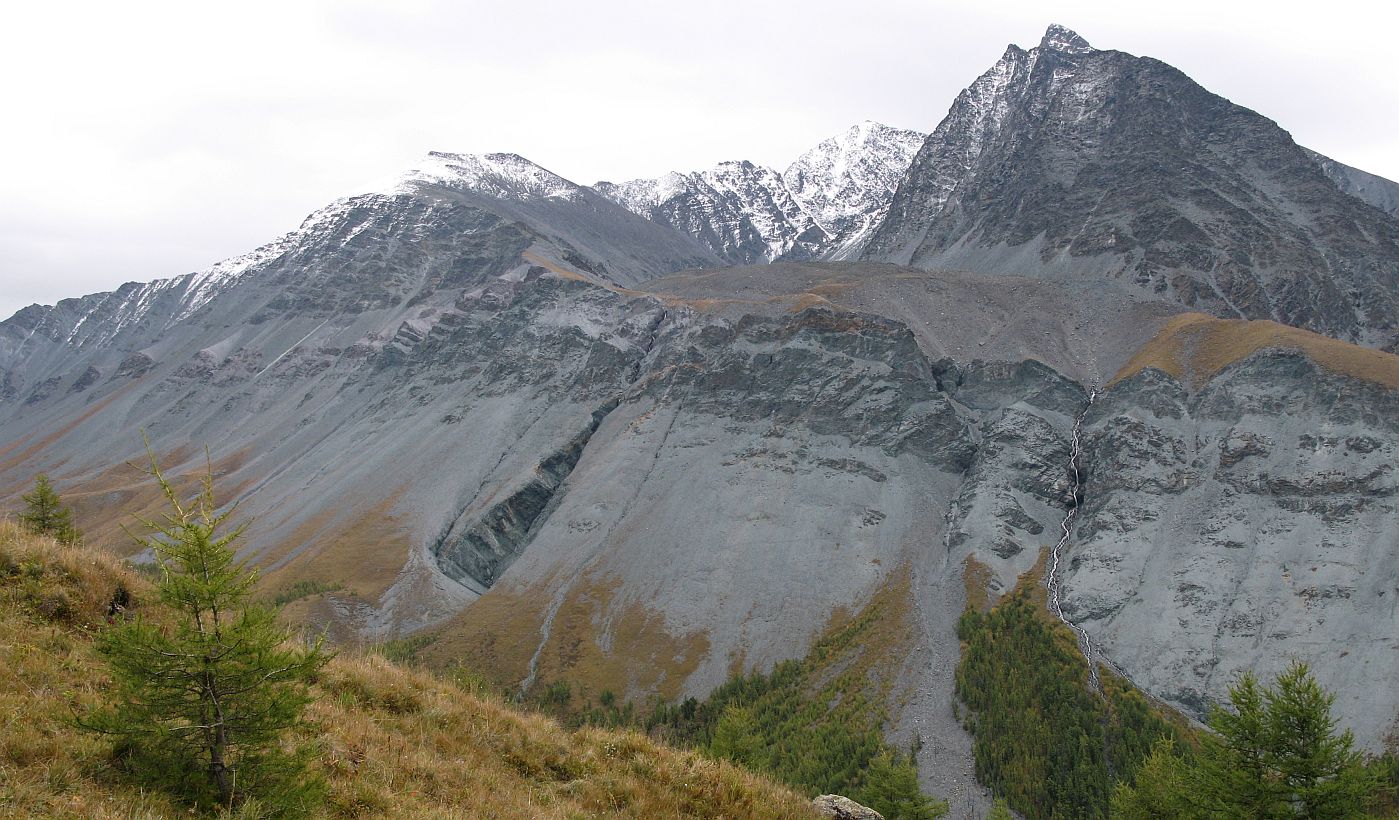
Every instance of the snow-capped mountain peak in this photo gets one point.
(852, 175)
(506, 176)
(748, 213)
(1064, 40)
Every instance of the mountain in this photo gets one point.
(1366, 187)
(821, 207)
(556, 439)
(1065, 161)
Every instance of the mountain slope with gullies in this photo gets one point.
(1070, 162)
(548, 437)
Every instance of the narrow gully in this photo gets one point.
(1052, 580)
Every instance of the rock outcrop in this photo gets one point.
(843, 808)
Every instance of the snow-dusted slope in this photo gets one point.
(507, 176)
(740, 211)
(451, 200)
(820, 207)
(846, 182)
(1069, 162)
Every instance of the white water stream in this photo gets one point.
(1052, 579)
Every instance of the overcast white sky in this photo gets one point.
(143, 140)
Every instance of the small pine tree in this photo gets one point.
(202, 704)
(1276, 753)
(736, 737)
(891, 788)
(44, 513)
(1317, 768)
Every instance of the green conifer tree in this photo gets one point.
(202, 704)
(1234, 768)
(1275, 754)
(737, 738)
(891, 788)
(44, 513)
(1317, 769)
(1161, 789)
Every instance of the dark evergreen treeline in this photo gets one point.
(1043, 740)
(1051, 748)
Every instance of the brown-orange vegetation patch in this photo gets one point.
(109, 507)
(643, 655)
(868, 647)
(363, 550)
(595, 640)
(1193, 348)
(976, 577)
(1032, 586)
(391, 742)
(738, 662)
(494, 636)
(559, 270)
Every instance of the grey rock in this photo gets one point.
(843, 808)
(1236, 527)
(1367, 187)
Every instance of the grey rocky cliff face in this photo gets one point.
(1068, 162)
(1242, 524)
(1367, 187)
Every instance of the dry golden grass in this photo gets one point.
(393, 742)
(364, 551)
(501, 631)
(976, 576)
(52, 598)
(1193, 348)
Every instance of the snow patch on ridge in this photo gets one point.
(823, 205)
(507, 176)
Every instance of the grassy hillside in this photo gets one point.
(390, 740)
(1193, 347)
(814, 723)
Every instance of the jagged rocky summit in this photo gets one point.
(563, 432)
(823, 206)
(1070, 162)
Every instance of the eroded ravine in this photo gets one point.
(1053, 581)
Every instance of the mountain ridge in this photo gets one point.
(1069, 161)
(821, 206)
